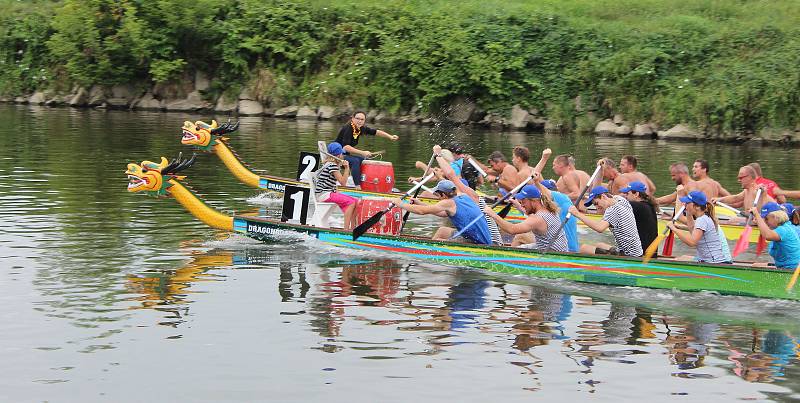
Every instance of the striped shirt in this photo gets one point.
(623, 226)
(325, 181)
(494, 231)
(553, 225)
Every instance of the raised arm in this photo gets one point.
(543, 161)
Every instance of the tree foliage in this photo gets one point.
(723, 66)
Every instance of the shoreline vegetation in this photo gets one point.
(673, 69)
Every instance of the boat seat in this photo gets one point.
(322, 210)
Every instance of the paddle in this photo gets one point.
(421, 185)
(569, 215)
(761, 245)
(425, 188)
(793, 280)
(477, 168)
(744, 239)
(361, 229)
(729, 207)
(495, 204)
(653, 247)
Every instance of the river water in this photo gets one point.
(113, 297)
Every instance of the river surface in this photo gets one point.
(107, 296)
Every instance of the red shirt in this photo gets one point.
(769, 184)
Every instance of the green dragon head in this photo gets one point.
(203, 135)
(153, 178)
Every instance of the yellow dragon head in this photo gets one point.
(203, 135)
(152, 178)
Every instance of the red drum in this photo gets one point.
(389, 223)
(377, 176)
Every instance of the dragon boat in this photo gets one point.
(162, 179)
(210, 138)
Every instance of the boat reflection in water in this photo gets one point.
(449, 309)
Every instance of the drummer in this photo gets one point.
(348, 138)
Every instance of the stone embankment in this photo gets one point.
(188, 96)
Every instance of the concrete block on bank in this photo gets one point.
(248, 107)
(305, 112)
(643, 130)
(227, 105)
(623, 130)
(519, 117)
(605, 128)
(680, 132)
(326, 112)
(37, 98)
(147, 102)
(81, 98)
(286, 112)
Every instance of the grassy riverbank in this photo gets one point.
(724, 66)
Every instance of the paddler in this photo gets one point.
(705, 183)
(679, 173)
(747, 179)
(348, 137)
(774, 224)
(571, 181)
(541, 219)
(618, 180)
(644, 210)
(628, 164)
(333, 172)
(571, 227)
(769, 185)
(704, 230)
(459, 208)
(618, 216)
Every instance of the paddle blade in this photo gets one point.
(743, 242)
(793, 280)
(668, 244)
(504, 212)
(761, 246)
(652, 248)
(361, 229)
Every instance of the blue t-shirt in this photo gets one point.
(457, 165)
(786, 252)
(571, 227)
(466, 212)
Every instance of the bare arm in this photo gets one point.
(529, 224)
(768, 233)
(735, 200)
(543, 161)
(341, 176)
(572, 186)
(444, 206)
(597, 225)
(668, 199)
(353, 150)
(385, 135)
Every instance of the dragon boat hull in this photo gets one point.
(607, 270)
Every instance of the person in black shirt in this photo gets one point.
(348, 138)
(644, 210)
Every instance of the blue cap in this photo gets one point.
(696, 197)
(465, 182)
(445, 186)
(769, 208)
(789, 207)
(549, 183)
(597, 191)
(335, 149)
(635, 186)
(528, 192)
